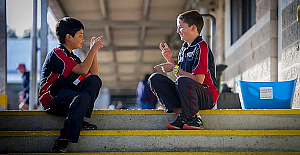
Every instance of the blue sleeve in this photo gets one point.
(56, 64)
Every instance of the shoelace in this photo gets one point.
(199, 120)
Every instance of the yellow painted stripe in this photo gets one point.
(253, 111)
(22, 113)
(168, 153)
(95, 112)
(155, 132)
(161, 112)
(3, 100)
(128, 112)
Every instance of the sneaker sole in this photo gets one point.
(89, 128)
(187, 127)
(59, 151)
(171, 127)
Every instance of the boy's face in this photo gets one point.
(78, 40)
(184, 30)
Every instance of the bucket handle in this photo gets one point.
(236, 82)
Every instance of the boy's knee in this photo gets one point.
(81, 101)
(154, 77)
(84, 97)
(182, 81)
(95, 80)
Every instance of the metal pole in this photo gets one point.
(33, 37)
(212, 37)
(213, 30)
(3, 59)
(44, 32)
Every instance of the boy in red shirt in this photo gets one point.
(59, 94)
(195, 87)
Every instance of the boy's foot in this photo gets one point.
(194, 123)
(88, 126)
(177, 124)
(60, 146)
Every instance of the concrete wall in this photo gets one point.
(269, 50)
(253, 56)
(289, 52)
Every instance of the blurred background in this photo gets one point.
(252, 40)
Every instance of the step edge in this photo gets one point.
(168, 153)
(161, 112)
(155, 132)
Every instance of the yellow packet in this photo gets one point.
(298, 12)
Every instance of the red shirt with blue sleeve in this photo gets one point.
(57, 73)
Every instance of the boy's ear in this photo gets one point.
(194, 28)
(68, 37)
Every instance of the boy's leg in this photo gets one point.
(167, 93)
(193, 96)
(90, 85)
(165, 90)
(74, 105)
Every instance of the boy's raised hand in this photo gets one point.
(92, 42)
(166, 52)
(96, 43)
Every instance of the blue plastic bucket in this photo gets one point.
(266, 95)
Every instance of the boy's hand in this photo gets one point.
(166, 51)
(92, 42)
(96, 43)
(165, 67)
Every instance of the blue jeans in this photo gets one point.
(148, 105)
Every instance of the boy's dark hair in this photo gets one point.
(192, 17)
(67, 25)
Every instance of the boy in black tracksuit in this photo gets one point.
(195, 87)
(58, 94)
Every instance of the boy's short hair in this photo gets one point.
(192, 17)
(67, 25)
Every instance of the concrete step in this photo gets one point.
(156, 141)
(286, 119)
(167, 153)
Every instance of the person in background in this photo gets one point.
(58, 93)
(195, 87)
(24, 93)
(144, 96)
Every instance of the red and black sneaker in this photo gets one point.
(194, 123)
(178, 123)
(60, 146)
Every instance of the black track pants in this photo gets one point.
(185, 93)
(75, 104)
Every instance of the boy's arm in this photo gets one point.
(168, 67)
(197, 77)
(85, 66)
